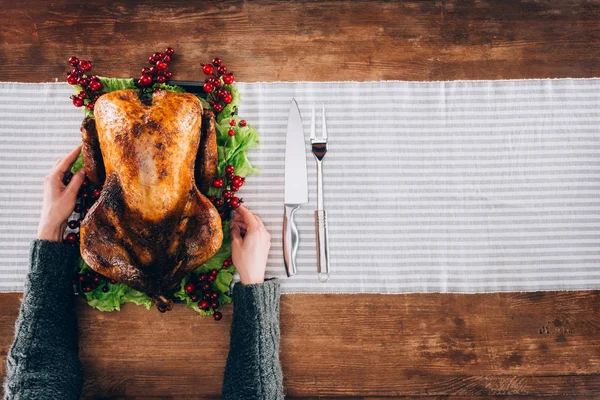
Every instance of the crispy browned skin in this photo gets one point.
(207, 158)
(151, 225)
(92, 156)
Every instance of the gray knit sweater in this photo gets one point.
(43, 361)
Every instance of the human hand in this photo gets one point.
(59, 199)
(250, 244)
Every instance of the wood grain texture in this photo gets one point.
(285, 40)
(519, 345)
(526, 344)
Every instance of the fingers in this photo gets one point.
(247, 216)
(65, 163)
(238, 217)
(241, 225)
(74, 185)
(236, 236)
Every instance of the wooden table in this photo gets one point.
(359, 346)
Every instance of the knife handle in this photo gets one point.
(290, 240)
(322, 245)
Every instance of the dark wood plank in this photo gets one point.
(342, 346)
(526, 344)
(282, 40)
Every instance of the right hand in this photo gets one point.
(250, 244)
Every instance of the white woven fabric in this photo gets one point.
(467, 186)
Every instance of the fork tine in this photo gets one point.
(312, 124)
(324, 125)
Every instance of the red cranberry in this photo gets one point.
(214, 295)
(77, 102)
(231, 132)
(214, 304)
(161, 66)
(85, 65)
(212, 277)
(203, 305)
(169, 51)
(189, 288)
(90, 105)
(168, 74)
(194, 298)
(208, 69)
(96, 193)
(71, 238)
(87, 289)
(209, 87)
(166, 59)
(219, 202)
(217, 316)
(73, 224)
(146, 71)
(202, 277)
(222, 70)
(161, 79)
(228, 98)
(215, 81)
(218, 107)
(243, 123)
(73, 61)
(95, 86)
(206, 287)
(218, 183)
(72, 79)
(228, 79)
(145, 80)
(229, 169)
(228, 194)
(216, 61)
(235, 203)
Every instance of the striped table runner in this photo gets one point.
(467, 186)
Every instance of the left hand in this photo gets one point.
(59, 199)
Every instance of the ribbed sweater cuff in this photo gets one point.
(257, 301)
(52, 267)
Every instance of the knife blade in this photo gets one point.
(296, 185)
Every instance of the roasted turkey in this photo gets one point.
(151, 225)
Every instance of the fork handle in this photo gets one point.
(322, 245)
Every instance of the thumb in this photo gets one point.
(75, 183)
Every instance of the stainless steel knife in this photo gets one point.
(296, 186)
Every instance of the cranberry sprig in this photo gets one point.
(201, 289)
(91, 85)
(227, 200)
(158, 71)
(86, 197)
(90, 280)
(218, 97)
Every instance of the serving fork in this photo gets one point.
(319, 149)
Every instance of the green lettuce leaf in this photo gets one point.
(116, 295)
(232, 149)
(170, 88)
(112, 84)
(78, 164)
